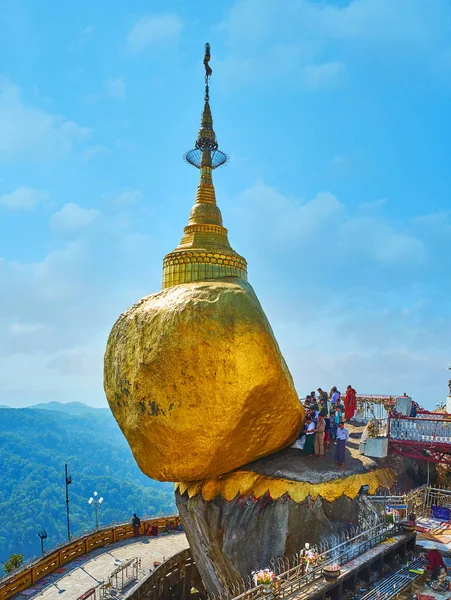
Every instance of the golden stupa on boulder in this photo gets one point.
(193, 374)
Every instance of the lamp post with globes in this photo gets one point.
(42, 536)
(96, 501)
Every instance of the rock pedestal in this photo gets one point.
(270, 508)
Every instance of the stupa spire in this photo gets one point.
(204, 251)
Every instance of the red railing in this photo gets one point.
(424, 437)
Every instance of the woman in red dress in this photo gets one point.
(350, 403)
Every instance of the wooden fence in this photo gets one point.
(55, 559)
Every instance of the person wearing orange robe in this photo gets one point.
(350, 403)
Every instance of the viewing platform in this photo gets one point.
(423, 436)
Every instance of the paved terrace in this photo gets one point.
(294, 465)
(82, 574)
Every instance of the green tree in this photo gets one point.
(14, 562)
(34, 447)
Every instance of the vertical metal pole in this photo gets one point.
(97, 514)
(42, 545)
(67, 503)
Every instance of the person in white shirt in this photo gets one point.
(342, 438)
(309, 436)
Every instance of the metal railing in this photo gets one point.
(422, 428)
(300, 571)
(436, 497)
(296, 573)
(397, 582)
(418, 501)
(86, 533)
(149, 586)
(37, 568)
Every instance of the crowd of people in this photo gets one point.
(325, 419)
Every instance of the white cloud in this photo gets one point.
(153, 31)
(73, 217)
(380, 241)
(25, 328)
(405, 21)
(116, 88)
(352, 295)
(24, 198)
(127, 197)
(55, 314)
(93, 152)
(323, 75)
(316, 239)
(31, 133)
(374, 206)
(287, 40)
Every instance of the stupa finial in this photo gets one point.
(204, 251)
(205, 152)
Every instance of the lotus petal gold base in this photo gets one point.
(246, 483)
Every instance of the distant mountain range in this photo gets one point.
(71, 408)
(35, 443)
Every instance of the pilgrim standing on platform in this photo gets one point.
(136, 522)
(319, 436)
(350, 403)
(342, 438)
(326, 432)
(334, 395)
(309, 436)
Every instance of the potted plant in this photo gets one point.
(265, 578)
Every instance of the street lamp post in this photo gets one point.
(96, 501)
(42, 535)
(68, 482)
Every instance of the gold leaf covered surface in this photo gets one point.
(197, 383)
(248, 483)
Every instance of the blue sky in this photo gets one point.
(336, 119)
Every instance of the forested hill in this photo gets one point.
(34, 445)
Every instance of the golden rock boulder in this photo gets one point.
(197, 383)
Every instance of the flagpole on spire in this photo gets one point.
(208, 71)
(206, 152)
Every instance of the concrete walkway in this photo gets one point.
(86, 572)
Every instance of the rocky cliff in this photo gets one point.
(270, 508)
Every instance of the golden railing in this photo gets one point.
(55, 559)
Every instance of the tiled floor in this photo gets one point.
(87, 572)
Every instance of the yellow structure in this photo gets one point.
(246, 483)
(193, 374)
(204, 252)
